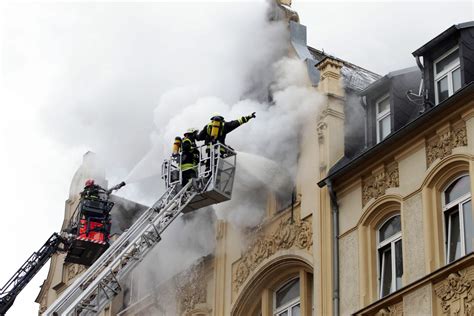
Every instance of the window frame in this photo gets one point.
(447, 209)
(288, 306)
(392, 240)
(446, 73)
(379, 116)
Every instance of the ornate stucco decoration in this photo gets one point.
(72, 270)
(394, 310)
(192, 286)
(377, 184)
(442, 145)
(322, 126)
(288, 234)
(455, 293)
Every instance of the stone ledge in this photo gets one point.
(432, 278)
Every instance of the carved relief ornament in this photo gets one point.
(456, 294)
(377, 184)
(74, 270)
(322, 126)
(394, 310)
(192, 286)
(288, 234)
(442, 145)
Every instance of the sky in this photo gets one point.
(89, 76)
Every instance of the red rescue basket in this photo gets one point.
(92, 232)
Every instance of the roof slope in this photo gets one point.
(354, 77)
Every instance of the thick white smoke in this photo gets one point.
(267, 147)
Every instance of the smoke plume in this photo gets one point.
(225, 58)
(268, 147)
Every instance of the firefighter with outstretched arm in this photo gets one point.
(216, 131)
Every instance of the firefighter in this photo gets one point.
(92, 191)
(218, 128)
(189, 156)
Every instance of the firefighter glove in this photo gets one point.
(251, 116)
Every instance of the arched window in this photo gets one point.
(457, 210)
(390, 258)
(287, 299)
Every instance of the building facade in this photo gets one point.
(381, 221)
(403, 204)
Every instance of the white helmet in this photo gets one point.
(191, 130)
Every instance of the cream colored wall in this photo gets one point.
(350, 209)
(419, 302)
(349, 272)
(230, 249)
(413, 239)
(412, 167)
(308, 169)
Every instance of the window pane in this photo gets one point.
(295, 311)
(384, 105)
(443, 92)
(456, 79)
(454, 240)
(457, 189)
(285, 313)
(384, 127)
(468, 225)
(398, 263)
(288, 292)
(448, 61)
(390, 228)
(386, 271)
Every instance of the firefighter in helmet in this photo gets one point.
(189, 155)
(92, 191)
(216, 131)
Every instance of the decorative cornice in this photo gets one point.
(455, 293)
(191, 286)
(289, 234)
(332, 112)
(376, 185)
(442, 145)
(436, 280)
(330, 68)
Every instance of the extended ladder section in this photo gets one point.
(28, 270)
(99, 284)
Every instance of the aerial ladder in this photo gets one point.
(28, 270)
(83, 241)
(97, 286)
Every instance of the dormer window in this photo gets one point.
(447, 75)
(384, 124)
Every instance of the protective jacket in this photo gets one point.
(92, 192)
(189, 154)
(216, 131)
